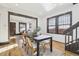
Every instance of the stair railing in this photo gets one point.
(72, 44)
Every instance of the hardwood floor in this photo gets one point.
(17, 52)
(68, 53)
(59, 46)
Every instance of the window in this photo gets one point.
(22, 26)
(58, 24)
(52, 25)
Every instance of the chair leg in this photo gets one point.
(44, 47)
(33, 51)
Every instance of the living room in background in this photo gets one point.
(58, 24)
(22, 22)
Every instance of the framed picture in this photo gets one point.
(22, 26)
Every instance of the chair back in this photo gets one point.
(13, 39)
(29, 42)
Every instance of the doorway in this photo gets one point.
(12, 28)
(15, 18)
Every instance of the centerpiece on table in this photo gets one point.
(34, 33)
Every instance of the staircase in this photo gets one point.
(71, 43)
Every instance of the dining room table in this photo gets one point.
(40, 38)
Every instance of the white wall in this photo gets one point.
(42, 24)
(42, 21)
(3, 25)
(75, 13)
(56, 11)
(75, 17)
(4, 21)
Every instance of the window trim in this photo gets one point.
(20, 23)
(56, 25)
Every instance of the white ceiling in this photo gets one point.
(38, 8)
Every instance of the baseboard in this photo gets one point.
(58, 41)
(3, 43)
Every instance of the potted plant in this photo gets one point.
(36, 31)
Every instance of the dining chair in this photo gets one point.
(12, 39)
(46, 44)
(19, 41)
(33, 47)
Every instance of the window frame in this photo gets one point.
(56, 21)
(22, 23)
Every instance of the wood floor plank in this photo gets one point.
(17, 52)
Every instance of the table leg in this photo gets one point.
(37, 48)
(51, 44)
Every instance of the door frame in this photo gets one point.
(20, 15)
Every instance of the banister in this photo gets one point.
(71, 28)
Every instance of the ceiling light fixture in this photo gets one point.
(17, 4)
(48, 6)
